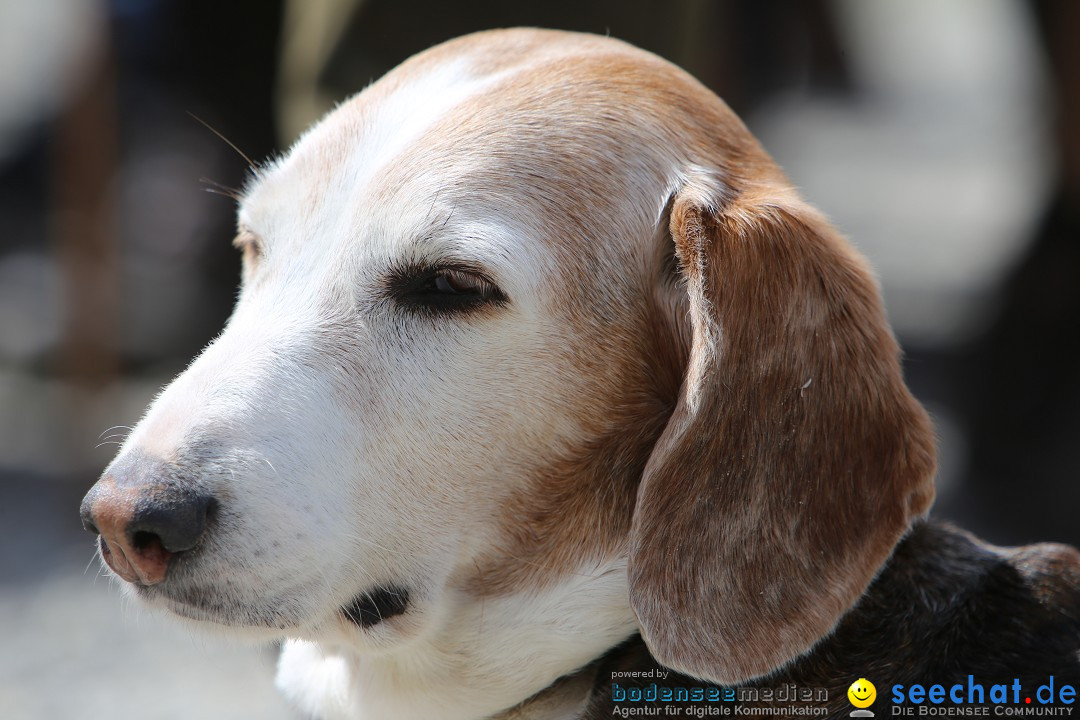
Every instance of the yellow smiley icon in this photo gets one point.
(862, 693)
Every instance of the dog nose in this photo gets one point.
(144, 518)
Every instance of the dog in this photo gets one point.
(543, 383)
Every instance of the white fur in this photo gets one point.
(351, 445)
(489, 657)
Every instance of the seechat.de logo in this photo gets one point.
(862, 694)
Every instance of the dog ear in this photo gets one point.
(795, 458)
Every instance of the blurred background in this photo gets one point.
(942, 137)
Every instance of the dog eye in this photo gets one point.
(455, 282)
(448, 290)
(249, 245)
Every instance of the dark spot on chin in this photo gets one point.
(371, 608)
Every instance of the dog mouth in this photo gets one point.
(221, 601)
(373, 607)
(221, 604)
(365, 611)
(223, 612)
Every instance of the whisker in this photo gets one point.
(92, 559)
(218, 189)
(371, 600)
(447, 220)
(116, 427)
(435, 200)
(224, 139)
(231, 196)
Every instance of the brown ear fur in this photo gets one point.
(795, 458)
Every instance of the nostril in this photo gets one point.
(175, 522)
(143, 540)
(144, 516)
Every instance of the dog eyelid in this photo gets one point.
(460, 282)
(444, 288)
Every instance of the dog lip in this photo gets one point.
(204, 605)
(370, 608)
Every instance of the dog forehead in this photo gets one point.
(334, 164)
(501, 106)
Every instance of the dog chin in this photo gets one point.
(208, 613)
(349, 625)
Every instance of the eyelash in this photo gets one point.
(432, 289)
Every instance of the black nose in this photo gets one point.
(144, 517)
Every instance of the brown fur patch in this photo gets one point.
(796, 458)
(580, 507)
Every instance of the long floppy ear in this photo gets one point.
(795, 458)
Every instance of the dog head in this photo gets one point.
(534, 304)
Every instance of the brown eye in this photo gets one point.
(454, 282)
(446, 289)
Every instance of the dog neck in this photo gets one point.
(518, 656)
